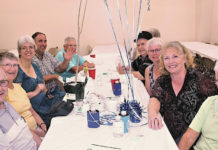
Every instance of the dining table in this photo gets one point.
(72, 132)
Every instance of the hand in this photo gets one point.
(69, 53)
(31, 95)
(91, 65)
(138, 75)
(50, 96)
(39, 132)
(41, 87)
(56, 76)
(120, 69)
(43, 127)
(155, 121)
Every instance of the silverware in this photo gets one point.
(105, 146)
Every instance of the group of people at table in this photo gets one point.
(182, 95)
(185, 97)
(29, 87)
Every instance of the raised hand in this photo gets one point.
(91, 65)
(69, 53)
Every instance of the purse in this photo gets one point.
(60, 108)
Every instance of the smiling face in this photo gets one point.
(141, 46)
(174, 60)
(154, 52)
(27, 51)
(3, 86)
(41, 43)
(70, 45)
(10, 67)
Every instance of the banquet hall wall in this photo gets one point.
(184, 20)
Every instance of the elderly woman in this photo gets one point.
(205, 125)
(31, 79)
(152, 72)
(14, 132)
(18, 98)
(179, 92)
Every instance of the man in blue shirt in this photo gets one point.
(70, 45)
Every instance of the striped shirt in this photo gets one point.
(14, 132)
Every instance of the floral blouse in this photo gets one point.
(178, 111)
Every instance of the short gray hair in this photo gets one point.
(2, 73)
(155, 32)
(154, 41)
(69, 38)
(25, 39)
(7, 55)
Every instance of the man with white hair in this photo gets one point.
(205, 125)
(70, 43)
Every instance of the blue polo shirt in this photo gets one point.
(73, 62)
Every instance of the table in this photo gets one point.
(72, 132)
(207, 50)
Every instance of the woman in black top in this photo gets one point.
(179, 92)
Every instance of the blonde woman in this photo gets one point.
(179, 92)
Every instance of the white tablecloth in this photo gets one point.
(207, 50)
(72, 132)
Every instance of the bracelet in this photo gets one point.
(42, 124)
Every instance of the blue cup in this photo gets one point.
(134, 115)
(93, 119)
(117, 89)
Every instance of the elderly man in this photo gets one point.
(49, 64)
(205, 125)
(14, 132)
(70, 42)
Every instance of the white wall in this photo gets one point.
(214, 23)
(207, 21)
(177, 20)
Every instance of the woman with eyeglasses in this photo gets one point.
(18, 98)
(179, 92)
(152, 72)
(31, 79)
(14, 132)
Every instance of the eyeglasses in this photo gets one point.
(4, 83)
(10, 65)
(25, 48)
(154, 50)
(72, 45)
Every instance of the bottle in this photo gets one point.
(125, 119)
(86, 71)
(118, 127)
